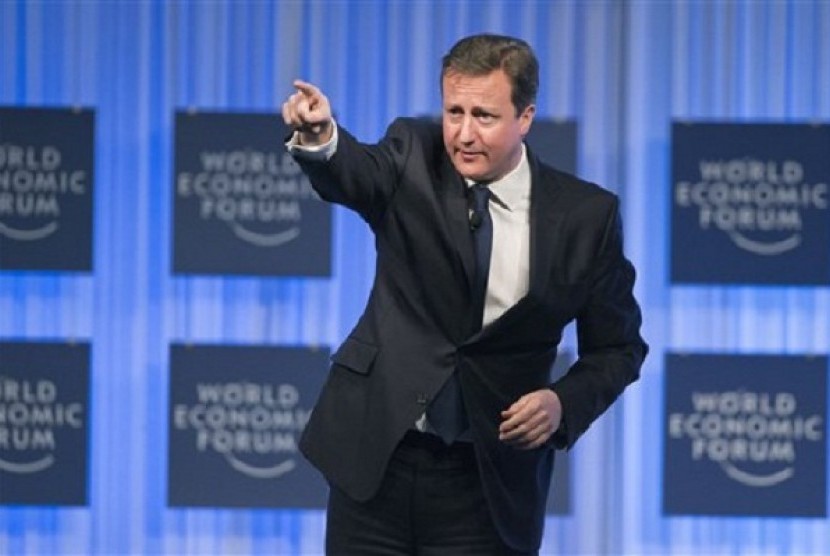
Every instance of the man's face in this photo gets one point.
(482, 134)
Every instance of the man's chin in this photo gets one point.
(471, 171)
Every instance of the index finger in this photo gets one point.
(306, 88)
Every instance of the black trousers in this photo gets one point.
(430, 503)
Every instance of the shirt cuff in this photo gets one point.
(319, 153)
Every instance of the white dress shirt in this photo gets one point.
(509, 276)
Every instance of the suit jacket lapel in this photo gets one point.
(546, 219)
(453, 192)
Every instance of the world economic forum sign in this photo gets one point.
(46, 189)
(750, 204)
(745, 435)
(44, 423)
(236, 416)
(241, 203)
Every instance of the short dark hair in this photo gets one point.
(484, 53)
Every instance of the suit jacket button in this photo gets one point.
(422, 399)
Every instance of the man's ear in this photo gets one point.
(526, 118)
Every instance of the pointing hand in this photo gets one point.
(309, 112)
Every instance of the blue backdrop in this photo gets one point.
(621, 69)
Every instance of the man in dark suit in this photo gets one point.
(437, 425)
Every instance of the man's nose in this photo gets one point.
(467, 132)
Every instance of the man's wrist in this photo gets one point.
(559, 437)
(321, 152)
(315, 135)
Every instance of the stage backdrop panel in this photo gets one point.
(241, 203)
(750, 203)
(46, 188)
(554, 141)
(745, 435)
(236, 416)
(44, 428)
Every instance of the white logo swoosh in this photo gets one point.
(768, 249)
(265, 240)
(28, 235)
(749, 479)
(260, 472)
(31, 467)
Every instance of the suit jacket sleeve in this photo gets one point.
(359, 176)
(610, 349)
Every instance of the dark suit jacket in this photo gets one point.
(417, 327)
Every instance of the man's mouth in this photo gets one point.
(469, 156)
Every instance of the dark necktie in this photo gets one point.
(482, 226)
(446, 412)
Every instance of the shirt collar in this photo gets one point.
(513, 190)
